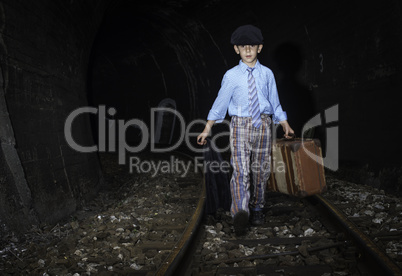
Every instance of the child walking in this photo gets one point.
(248, 93)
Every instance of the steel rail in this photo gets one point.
(377, 258)
(173, 260)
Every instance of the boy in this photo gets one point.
(248, 92)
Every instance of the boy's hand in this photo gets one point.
(289, 133)
(201, 139)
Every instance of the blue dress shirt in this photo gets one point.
(233, 95)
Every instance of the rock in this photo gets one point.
(140, 259)
(41, 263)
(74, 225)
(303, 250)
(219, 227)
(211, 256)
(235, 253)
(135, 266)
(222, 256)
(63, 261)
(229, 245)
(309, 232)
(103, 235)
(286, 260)
(205, 251)
(151, 253)
(312, 260)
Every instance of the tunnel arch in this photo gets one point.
(163, 42)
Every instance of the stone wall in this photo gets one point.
(45, 48)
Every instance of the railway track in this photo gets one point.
(308, 236)
(156, 226)
(300, 237)
(372, 256)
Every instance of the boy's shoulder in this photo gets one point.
(233, 74)
(234, 70)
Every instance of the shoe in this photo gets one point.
(257, 218)
(240, 223)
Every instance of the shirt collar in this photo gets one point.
(244, 67)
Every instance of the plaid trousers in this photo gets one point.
(251, 162)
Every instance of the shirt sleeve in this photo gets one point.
(221, 104)
(278, 113)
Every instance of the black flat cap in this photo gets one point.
(247, 35)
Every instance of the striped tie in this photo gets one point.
(254, 106)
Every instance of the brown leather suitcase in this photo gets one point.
(297, 167)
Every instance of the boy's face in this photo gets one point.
(248, 53)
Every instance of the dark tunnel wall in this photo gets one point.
(344, 53)
(45, 48)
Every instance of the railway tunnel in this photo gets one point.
(119, 60)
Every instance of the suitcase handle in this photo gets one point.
(292, 137)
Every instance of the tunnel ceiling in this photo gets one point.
(150, 51)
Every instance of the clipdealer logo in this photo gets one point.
(111, 131)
